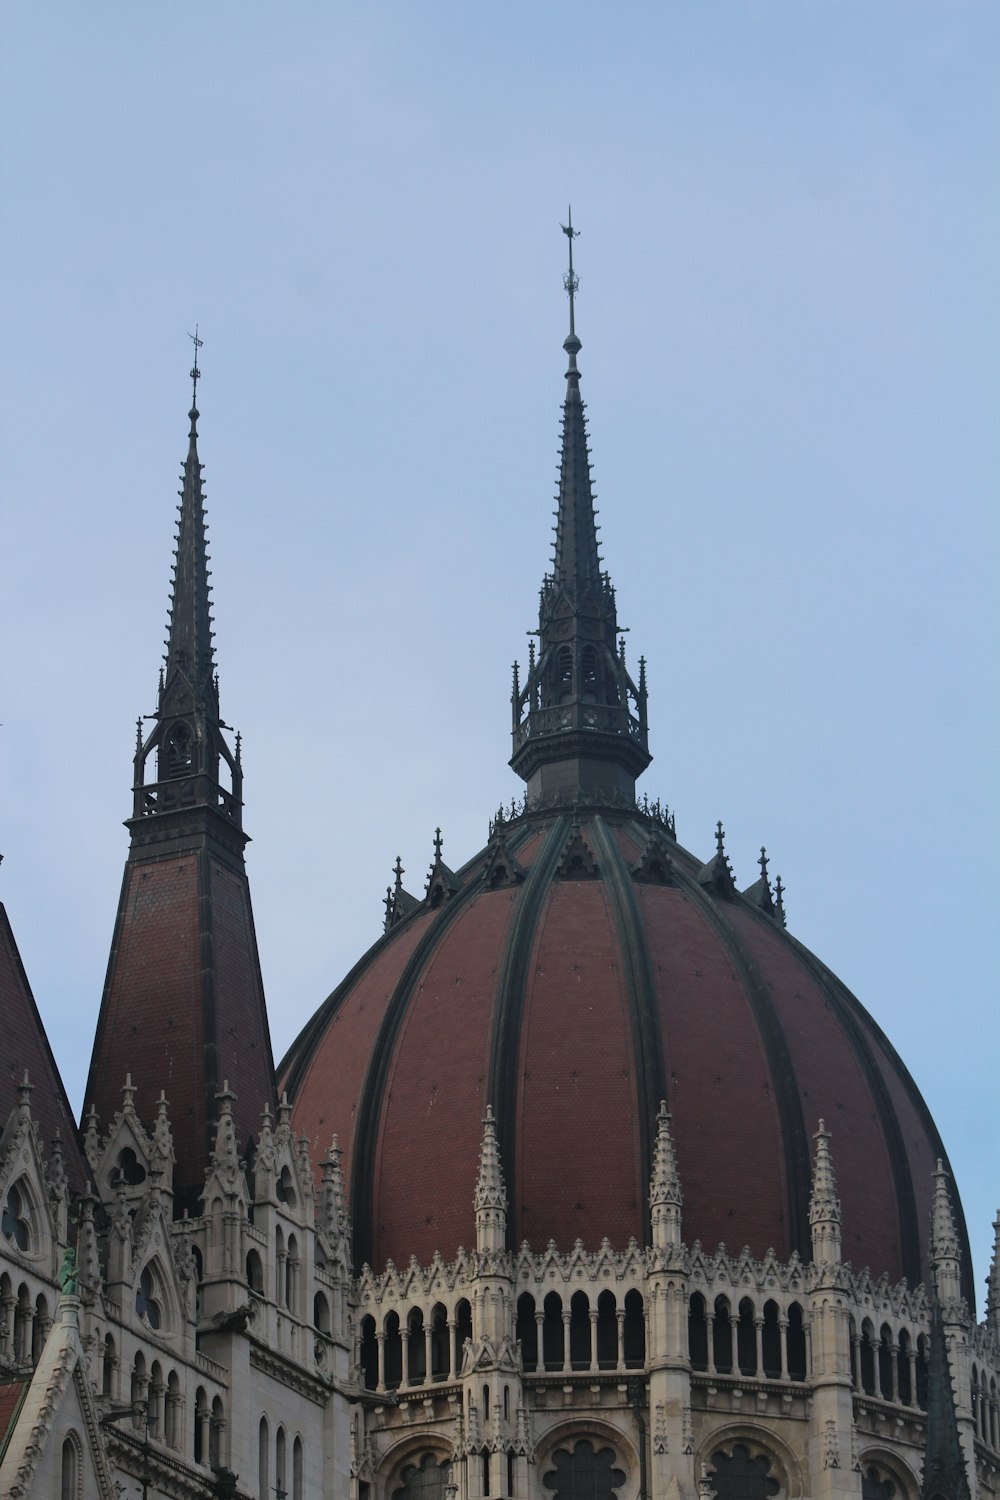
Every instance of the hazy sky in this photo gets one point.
(789, 313)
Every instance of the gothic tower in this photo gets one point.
(183, 1006)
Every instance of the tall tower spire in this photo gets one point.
(183, 998)
(579, 720)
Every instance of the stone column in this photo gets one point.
(593, 1338)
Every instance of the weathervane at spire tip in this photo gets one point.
(195, 368)
(571, 282)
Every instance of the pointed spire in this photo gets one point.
(779, 902)
(993, 1284)
(491, 1192)
(945, 1476)
(760, 892)
(24, 1093)
(824, 1205)
(442, 883)
(579, 721)
(946, 1250)
(190, 659)
(336, 1219)
(398, 902)
(226, 1154)
(717, 875)
(665, 1196)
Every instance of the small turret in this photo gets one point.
(665, 1197)
(824, 1205)
(993, 1284)
(491, 1193)
(946, 1250)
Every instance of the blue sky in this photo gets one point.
(789, 316)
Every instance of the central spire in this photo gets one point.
(579, 722)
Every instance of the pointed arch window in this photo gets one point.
(179, 750)
(148, 1305)
(875, 1486)
(72, 1468)
(16, 1220)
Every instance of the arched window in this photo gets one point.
(722, 1337)
(527, 1331)
(586, 1473)
(416, 1349)
(565, 668)
(16, 1221)
(607, 1331)
(796, 1343)
(201, 1420)
(255, 1273)
(738, 1476)
(297, 1469)
(292, 1275)
(72, 1468)
(635, 1331)
(172, 1423)
(885, 1363)
(321, 1313)
(285, 1188)
(579, 1331)
(424, 1480)
(588, 670)
(280, 1457)
(771, 1341)
(369, 1353)
(440, 1367)
(216, 1433)
(463, 1331)
(697, 1333)
(867, 1358)
(903, 1369)
(746, 1338)
(875, 1485)
(139, 1385)
(392, 1353)
(263, 1460)
(148, 1306)
(179, 750)
(553, 1342)
(108, 1362)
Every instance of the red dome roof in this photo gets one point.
(583, 967)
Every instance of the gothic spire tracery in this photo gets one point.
(579, 720)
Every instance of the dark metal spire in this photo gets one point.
(579, 720)
(577, 563)
(945, 1475)
(187, 734)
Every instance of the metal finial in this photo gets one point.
(195, 368)
(438, 843)
(571, 280)
(763, 864)
(397, 870)
(779, 902)
(720, 837)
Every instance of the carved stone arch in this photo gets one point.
(603, 1434)
(893, 1467)
(760, 1440)
(408, 1450)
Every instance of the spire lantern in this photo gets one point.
(579, 720)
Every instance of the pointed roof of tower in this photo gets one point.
(665, 1183)
(576, 565)
(945, 1476)
(491, 1192)
(189, 676)
(993, 1283)
(823, 1201)
(945, 1244)
(27, 1054)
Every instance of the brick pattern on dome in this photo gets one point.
(720, 1091)
(327, 1099)
(578, 1171)
(832, 1086)
(435, 1093)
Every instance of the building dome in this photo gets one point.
(583, 968)
(578, 970)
